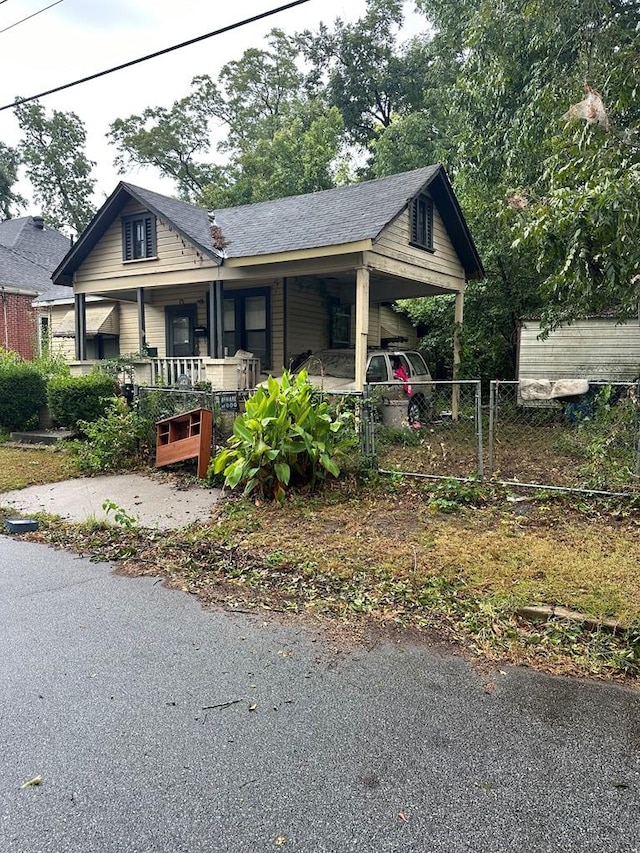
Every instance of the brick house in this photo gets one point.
(29, 253)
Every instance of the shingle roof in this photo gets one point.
(328, 218)
(342, 215)
(29, 254)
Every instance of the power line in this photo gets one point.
(157, 53)
(28, 18)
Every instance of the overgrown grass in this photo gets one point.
(20, 467)
(392, 556)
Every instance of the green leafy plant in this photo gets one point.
(120, 515)
(283, 439)
(452, 495)
(606, 438)
(75, 399)
(112, 441)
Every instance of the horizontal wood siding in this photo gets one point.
(105, 260)
(394, 241)
(307, 317)
(396, 325)
(277, 327)
(588, 349)
(129, 327)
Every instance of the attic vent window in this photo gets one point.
(422, 222)
(139, 237)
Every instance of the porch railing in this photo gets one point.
(249, 373)
(169, 371)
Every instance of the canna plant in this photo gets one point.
(284, 438)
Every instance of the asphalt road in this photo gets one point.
(104, 688)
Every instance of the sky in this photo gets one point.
(79, 37)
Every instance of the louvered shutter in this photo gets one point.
(428, 227)
(414, 221)
(150, 236)
(127, 240)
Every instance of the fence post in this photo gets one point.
(493, 400)
(638, 429)
(366, 424)
(479, 430)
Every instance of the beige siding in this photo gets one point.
(395, 325)
(394, 241)
(105, 260)
(307, 317)
(277, 327)
(588, 349)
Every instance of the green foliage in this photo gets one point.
(453, 495)
(398, 436)
(284, 439)
(120, 515)
(606, 439)
(112, 441)
(22, 392)
(52, 151)
(80, 398)
(9, 199)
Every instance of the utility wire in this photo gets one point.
(222, 30)
(28, 18)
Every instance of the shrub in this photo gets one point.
(80, 398)
(22, 392)
(112, 441)
(284, 439)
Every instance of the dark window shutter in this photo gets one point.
(150, 236)
(414, 221)
(127, 240)
(429, 224)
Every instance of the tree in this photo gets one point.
(170, 140)
(9, 199)
(365, 72)
(52, 150)
(552, 206)
(566, 192)
(281, 138)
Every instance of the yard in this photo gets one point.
(453, 558)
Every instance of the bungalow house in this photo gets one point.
(29, 253)
(215, 295)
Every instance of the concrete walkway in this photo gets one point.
(154, 503)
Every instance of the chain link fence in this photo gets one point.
(429, 429)
(589, 442)
(442, 430)
(156, 403)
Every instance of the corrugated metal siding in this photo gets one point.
(588, 349)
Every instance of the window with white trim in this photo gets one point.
(139, 237)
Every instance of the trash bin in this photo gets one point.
(394, 413)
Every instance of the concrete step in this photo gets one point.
(41, 436)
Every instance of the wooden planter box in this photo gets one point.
(185, 437)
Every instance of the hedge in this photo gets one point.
(22, 395)
(80, 398)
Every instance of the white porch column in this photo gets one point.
(362, 325)
(458, 317)
(142, 330)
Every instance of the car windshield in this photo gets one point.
(339, 364)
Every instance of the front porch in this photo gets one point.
(230, 373)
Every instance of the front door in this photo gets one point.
(246, 323)
(181, 322)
